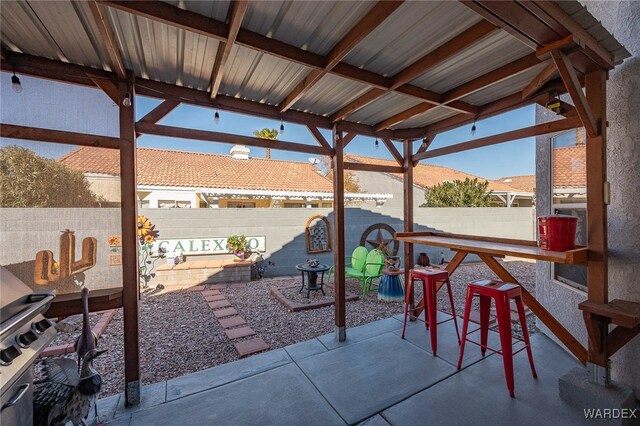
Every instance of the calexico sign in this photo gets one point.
(214, 245)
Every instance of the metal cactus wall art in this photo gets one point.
(48, 270)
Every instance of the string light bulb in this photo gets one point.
(377, 143)
(281, 127)
(216, 117)
(473, 128)
(127, 100)
(15, 83)
(424, 143)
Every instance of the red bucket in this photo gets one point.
(557, 232)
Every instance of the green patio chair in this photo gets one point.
(372, 270)
(358, 259)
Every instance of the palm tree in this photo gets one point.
(266, 134)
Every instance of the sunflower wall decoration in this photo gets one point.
(147, 234)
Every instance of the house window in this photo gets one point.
(569, 197)
(174, 204)
(241, 204)
(291, 205)
(327, 204)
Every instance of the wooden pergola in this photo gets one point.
(393, 70)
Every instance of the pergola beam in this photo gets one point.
(14, 131)
(548, 73)
(571, 82)
(238, 10)
(205, 135)
(159, 112)
(539, 129)
(508, 103)
(108, 38)
(393, 150)
(109, 88)
(426, 142)
(450, 97)
(322, 141)
(428, 61)
(378, 13)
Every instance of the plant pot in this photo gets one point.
(392, 263)
(240, 256)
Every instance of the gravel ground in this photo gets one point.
(180, 335)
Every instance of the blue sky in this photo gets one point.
(508, 159)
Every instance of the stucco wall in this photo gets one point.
(623, 163)
(373, 182)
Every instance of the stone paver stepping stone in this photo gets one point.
(250, 347)
(236, 333)
(232, 322)
(196, 288)
(218, 286)
(226, 312)
(206, 293)
(237, 285)
(214, 298)
(219, 304)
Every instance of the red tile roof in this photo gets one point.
(427, 175)
(160, 167)
(570, 166)
(525, 183)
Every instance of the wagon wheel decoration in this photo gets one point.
(380, 234)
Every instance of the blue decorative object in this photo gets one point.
(391, 289)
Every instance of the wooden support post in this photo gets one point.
(407, 183)
(129, 214)
(338, 235)
(597, 270)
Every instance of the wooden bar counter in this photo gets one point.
(487, 249)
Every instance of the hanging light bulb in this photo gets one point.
(127, 100)
(216, 118)
(424, 143)
(281, 127)
(15, 83)
(377, 143)
(473, 128)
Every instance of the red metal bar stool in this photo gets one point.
(502, 293)
(429, 278)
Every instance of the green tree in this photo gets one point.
(266, 134)
(29, 180)
(467, 193)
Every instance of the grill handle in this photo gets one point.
(22, 390)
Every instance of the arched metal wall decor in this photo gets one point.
(318, 234)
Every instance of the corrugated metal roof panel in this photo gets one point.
(581, 15)
(218, 9)
(330, 94)
(311, 25)
(389, 104)
(163, 52)
(431, 116)
(260, 77)
(492, 52)
(504, 88)
(60, 30)
(410, 32)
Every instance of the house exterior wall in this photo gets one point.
(623, 163)
(373, 182)
(106, 186)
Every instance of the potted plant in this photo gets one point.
(391, 262)
(239, 246)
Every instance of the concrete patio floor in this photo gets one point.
(374, 378)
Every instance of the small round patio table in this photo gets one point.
(312, 277)
(390, 288)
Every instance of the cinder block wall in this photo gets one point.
(23, 232)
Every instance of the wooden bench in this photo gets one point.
(65, 305)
